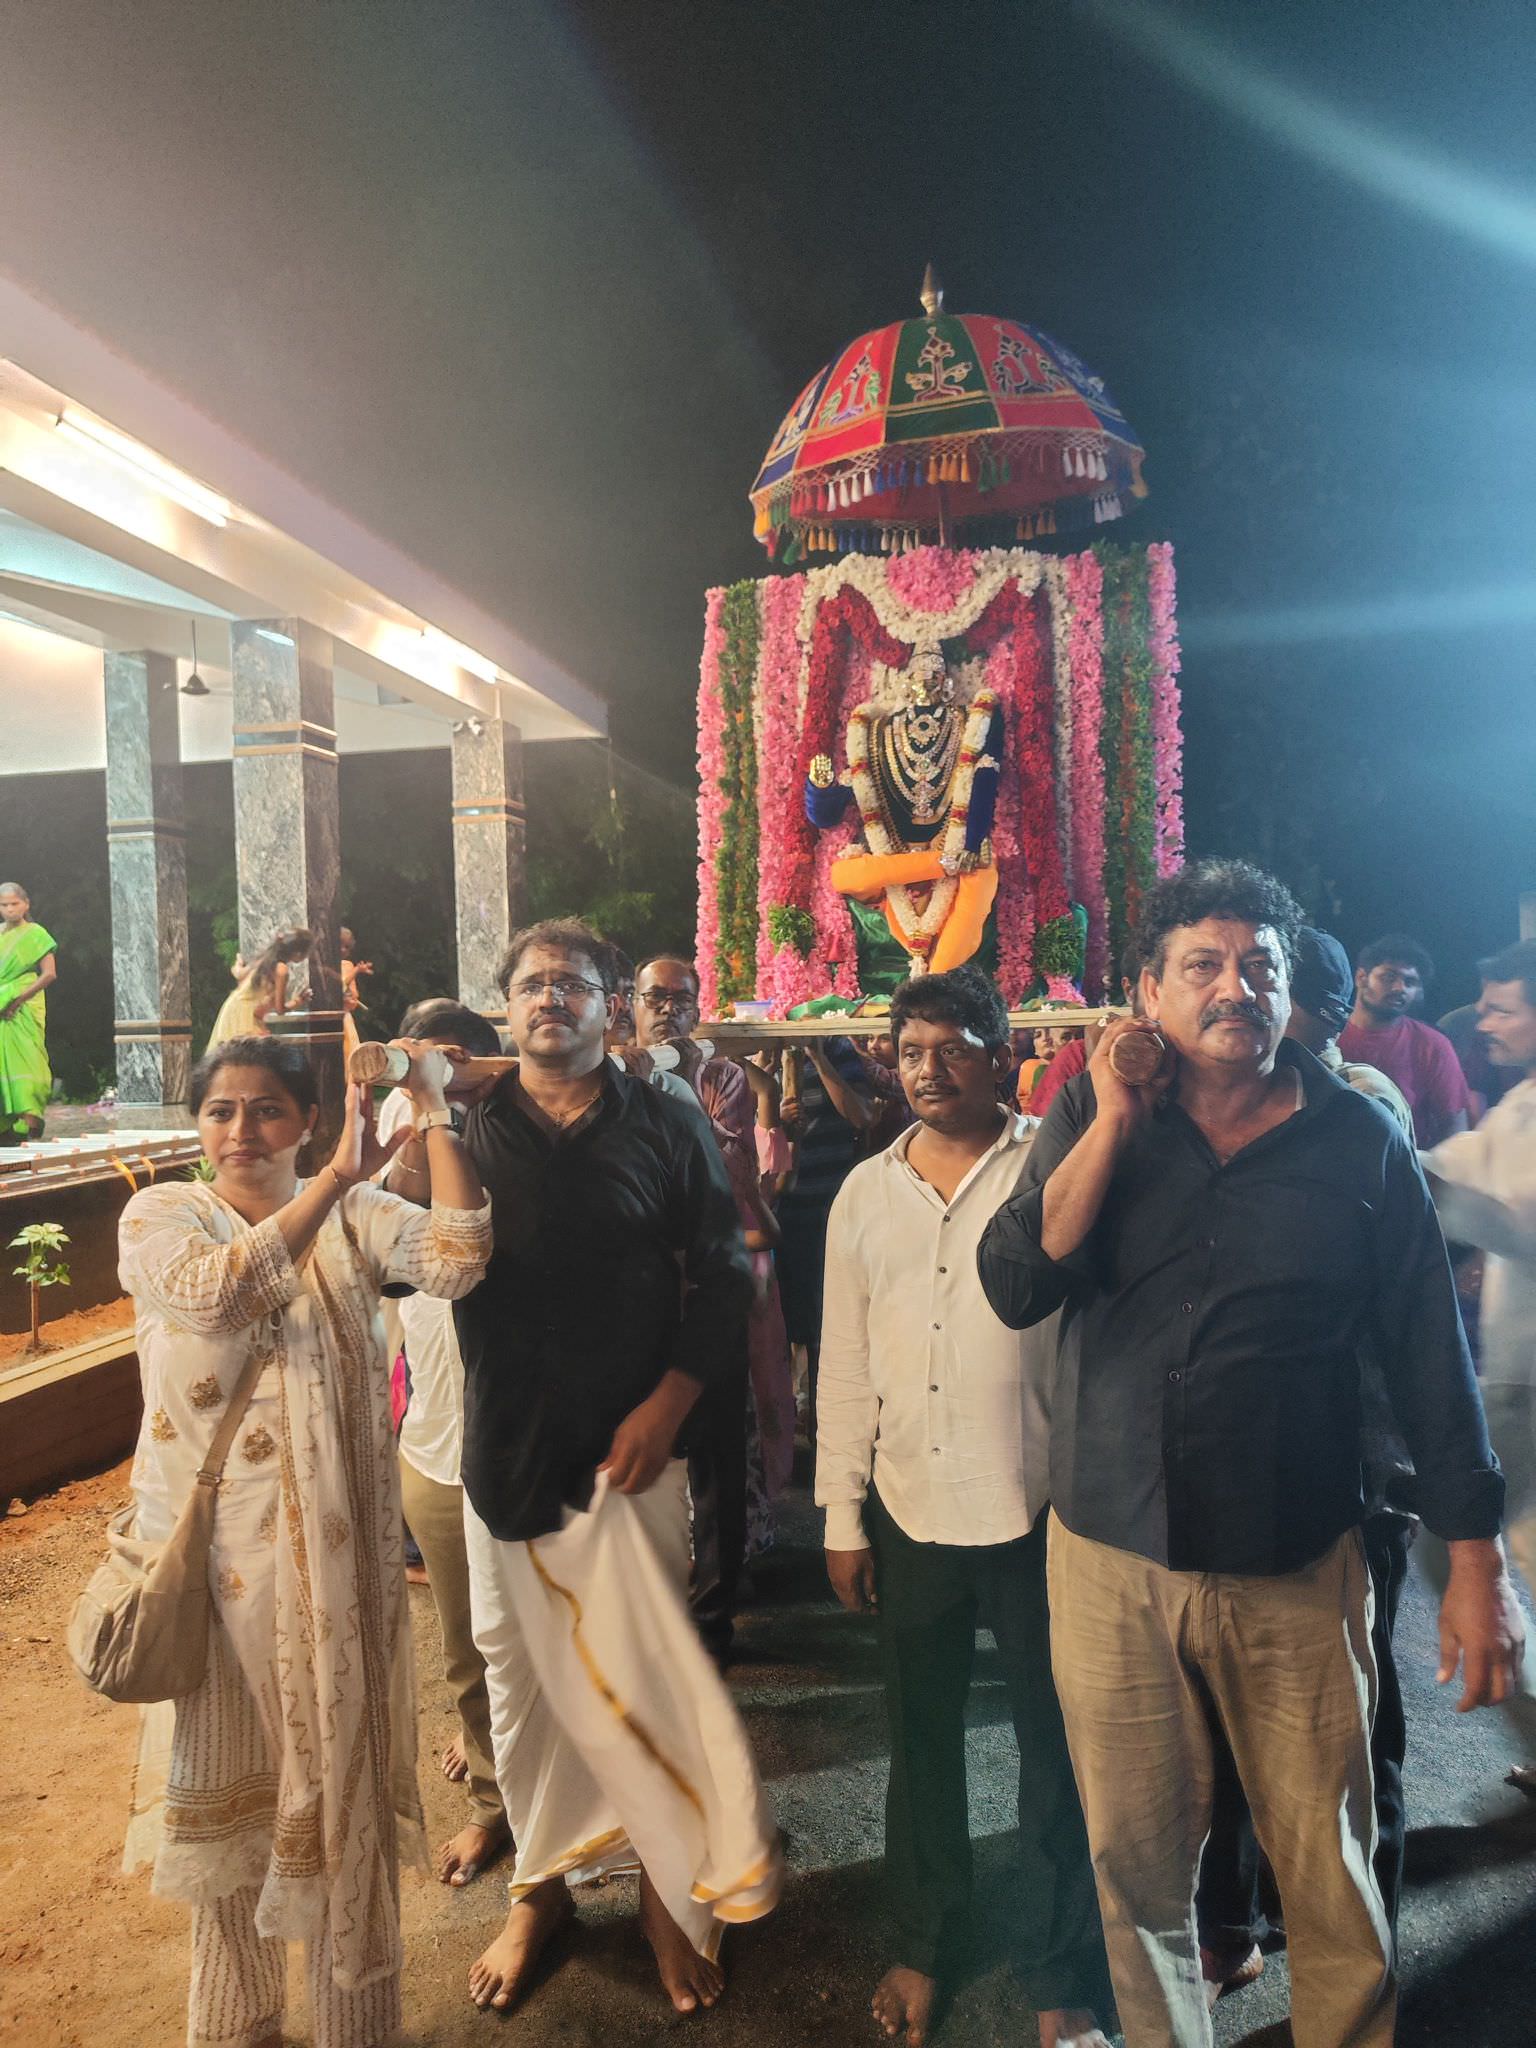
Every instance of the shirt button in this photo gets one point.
(1175, 1377)
(943, 1269)
(1188, 1307)
(933, 1386)
(935, 1450)
(938, 1326)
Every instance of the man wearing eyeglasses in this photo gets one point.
(617, 1284)
(667, 1013)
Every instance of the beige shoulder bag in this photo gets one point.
(139, 1631)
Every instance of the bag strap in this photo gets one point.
(212, 1469)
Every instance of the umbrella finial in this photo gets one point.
(932, 293)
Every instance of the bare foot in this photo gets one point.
(689, 1979)
(455, 1762)
(904, 1999)
(501, 1975)
(1224, 1971)
(463, 1856)
(1071, 2026)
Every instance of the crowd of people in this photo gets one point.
(1158, 1387)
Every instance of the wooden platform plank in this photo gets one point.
(68, 1413)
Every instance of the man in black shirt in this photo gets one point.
(1223, 1243)
(618, 1280)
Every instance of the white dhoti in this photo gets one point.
(616, 1742)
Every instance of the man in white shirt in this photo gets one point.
(1484, 1184)
(932, 1422)
(430, 1447)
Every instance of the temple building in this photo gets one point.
(167, 595)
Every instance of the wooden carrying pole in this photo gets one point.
(388, 1066)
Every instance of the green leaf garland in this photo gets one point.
(736, 855)
(788, 925)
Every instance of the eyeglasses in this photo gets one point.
(563, 991)
(658, 999)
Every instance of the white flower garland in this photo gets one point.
(1061, 648)
(867, 575)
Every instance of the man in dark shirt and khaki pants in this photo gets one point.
(1222, 1243)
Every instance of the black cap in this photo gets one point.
(1322, 981)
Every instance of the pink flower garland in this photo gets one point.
(1015, 905)
(1167, 746)
(1017, 630)
(711, 755)
(1085, 589)
(930, 579)
(836, 938)
(784, 976)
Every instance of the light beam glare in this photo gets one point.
(1469, 202)
(1438, 610)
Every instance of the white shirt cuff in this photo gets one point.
(845, 1526)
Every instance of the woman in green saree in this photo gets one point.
(26, 969)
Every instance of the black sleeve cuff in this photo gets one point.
(1464, 1507)
(1022, 1284)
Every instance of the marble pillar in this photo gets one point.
(488, 854)
(287, 828)
(146, 847)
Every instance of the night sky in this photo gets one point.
(528, 288)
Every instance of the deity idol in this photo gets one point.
(922, 768)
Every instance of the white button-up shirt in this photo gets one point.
(920, 1386)
(1490, 1200)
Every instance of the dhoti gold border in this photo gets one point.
(609, 1697)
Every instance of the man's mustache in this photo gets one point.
(1234, 1013)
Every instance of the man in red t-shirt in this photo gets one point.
(1390, 979)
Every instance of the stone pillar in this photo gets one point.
(146, 847)
(287, 829)
(489, 854)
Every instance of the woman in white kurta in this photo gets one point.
(279, 1797)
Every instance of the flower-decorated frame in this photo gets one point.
(1081, 653)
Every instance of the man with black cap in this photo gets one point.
(1232, 1922)
(1322, 997)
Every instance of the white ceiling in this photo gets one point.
(52, 715)
(61, 603)
(108, 541)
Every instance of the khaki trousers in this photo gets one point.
(1511, 1412)
(436, 1516)
(1144, 1659)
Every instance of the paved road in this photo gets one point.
(809, 1687)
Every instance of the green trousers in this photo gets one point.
(932, 1599)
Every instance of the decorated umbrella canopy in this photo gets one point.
(950, 421)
